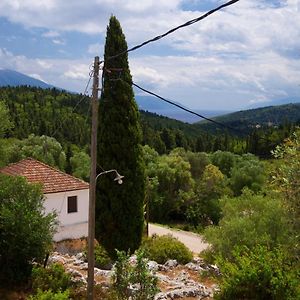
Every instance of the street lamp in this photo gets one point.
(118, 177)
(91, 234)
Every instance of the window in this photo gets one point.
(72, 204)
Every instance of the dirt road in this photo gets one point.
(192, 240)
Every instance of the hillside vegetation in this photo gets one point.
(247, 207)
(270, 116)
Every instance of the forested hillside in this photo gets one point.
(270, 116)
(66, 117)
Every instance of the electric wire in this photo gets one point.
(188, 23)
(194, 113)
(185, 109)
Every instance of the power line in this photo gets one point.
(188, 23)
(185, 109)
(193, 112)
(173, 103)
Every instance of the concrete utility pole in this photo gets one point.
(92, 195)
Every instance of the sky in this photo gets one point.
(245, 54)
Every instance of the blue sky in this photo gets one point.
(247, 53)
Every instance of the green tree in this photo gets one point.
(25, 231)
(249, 220)
(286, 179)
(81, 163)
(119, 208)
(197, 160)
(258, 274)
(224, 160)
(171, 187)
(247, 172)
(168, 137)
(44, 148)
(133, 281)
(205, 209)
(5, 123)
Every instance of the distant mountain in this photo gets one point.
(155, 105)
(13, 78)
(274, 102)
(246, 120)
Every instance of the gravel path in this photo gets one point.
(192, 240)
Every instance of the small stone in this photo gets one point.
(56, 259)
(83, 266)
(194, 267)
(152, 266)
(77, 262)
(80, 256)
(105, 273)
(183, 276)
(171, 263)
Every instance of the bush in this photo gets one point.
(25, 231)
(53, 278)
(248, 172)
(50, 295)
(133, 281)
(224, 160)
(249, 220)
(258, 274)
(163, 248)
(102, 260)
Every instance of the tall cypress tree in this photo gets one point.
(119, 208)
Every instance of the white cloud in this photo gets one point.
(95, 49)
(58, 42)
(69, 74)
(51, 34)
(247, 52)
(36, 76)
(76, 72)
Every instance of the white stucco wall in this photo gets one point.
(71, 225)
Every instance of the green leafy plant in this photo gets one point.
(25, 231)
(163, 248)
(258, 274)
(133, 281)
(52, 278)
(249, 220)
(50, 295)
(102, 259)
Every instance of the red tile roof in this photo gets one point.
(53, 180)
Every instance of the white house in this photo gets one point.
(65, 194)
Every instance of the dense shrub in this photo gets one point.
(102, 259)
(163, 248)
(258, 274)
(224, 160)
(249, 220)
(25, 231)
(52, 278)
(248, 172)
(133, 281)
(205, 208)
(50, 295)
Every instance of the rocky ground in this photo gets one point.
(175, 281)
